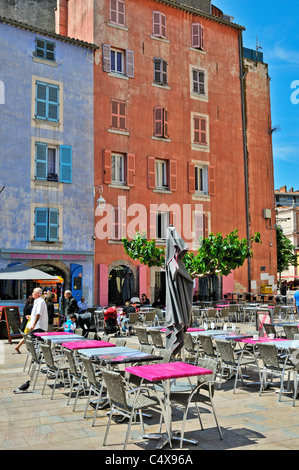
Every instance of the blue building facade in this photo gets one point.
(47, 155)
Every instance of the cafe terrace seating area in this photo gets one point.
(131, 393)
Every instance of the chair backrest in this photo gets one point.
(188, 342)
(207, 345)
(88, 366)
(157, 338)
(207, 363)
(226, 351)
(269, 329)
(48, 356)
(165, 353)
(105, 338)
(290, 331)
(269, 356)
(133, 317)
(142, 335)
(224, 312)
(233, 308)
(211, 313)
(295, 357)
(31, 349)
(72, 364)
(120, 342)
(147, 348)
(115, 388)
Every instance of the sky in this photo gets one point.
(273, 25)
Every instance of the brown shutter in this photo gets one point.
(165, 124)
(107, 166)
(131, 169)
(172, 175)
(191, 177)
(158, 121)
(212, 180)
(151, 172)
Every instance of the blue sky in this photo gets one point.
(275, 24)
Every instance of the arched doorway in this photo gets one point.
(121, 284)
(55, 287)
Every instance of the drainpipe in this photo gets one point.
(242, 77)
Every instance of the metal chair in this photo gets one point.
(77, 377)
(222, 316)
(290, 331)
(133, 322)
(128, 402)
(203, 393)
(270, 329)
(53, 367)
(96, 385)
(36, 359)
(120, 342)
(191, 350)
(143, 336)
(211, 316)
(157, 339)
(234, 361)
(149, 319)
(208, 347)
(275, 364)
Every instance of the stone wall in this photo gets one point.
(38, 13)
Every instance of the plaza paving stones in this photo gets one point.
(33, 421)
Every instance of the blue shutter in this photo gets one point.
(65, 164)
(41, 100)
(53, 225)
(53, 99)
(41, 224)
(41, 163)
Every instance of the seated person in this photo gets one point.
(110, 320)
(82, 304)
(85, 321)
(145, 300)
(127, 309)
(158, 303)
(135, 300)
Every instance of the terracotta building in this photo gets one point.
(182, 133)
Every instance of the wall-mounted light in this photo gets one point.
(100, 201)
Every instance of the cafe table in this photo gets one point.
(88, 344)
(164, 373)
(117, 355)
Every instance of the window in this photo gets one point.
(118, 168)
(197, 36)
(200, 130)
(47, 101)
(46, 224)
(117, 12)
(118, 223)
(162, 222)
(53, 163)
(44, 49)
(118, 115)
(200, 228)
(160, 71)
(198, 82)
(201, 179)
(160, 122)
(118, 61)
(159, 24)
(161, 174)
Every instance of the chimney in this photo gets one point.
(61, 17)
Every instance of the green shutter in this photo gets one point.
(41, 224)
(65, 164)
(41, 163)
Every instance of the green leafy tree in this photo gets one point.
(286, 255)
(217, 255)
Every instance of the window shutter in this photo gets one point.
(41, 164)
(107, 166)
(129, 63)
(122, 115)
(53, 225)
(106, 50)
(202, 44)
(206, 225)
(164, 80)
(41, 100)
(203, 131)
(163, 25)
(121, 12)
(195, 33)
(41, 224)
(65, 164)
(198, 228)
(157, 70)
(113, 11)
(191, 177)
(172, 175)
(53, 100)
(156, 23)
(115, 227)
(196, 136)
(151, 172)
(212, 180)
(131, 169)
(165, 124)
(158, 121)
(114, 114)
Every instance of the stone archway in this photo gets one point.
(116, 277)
(55, 264)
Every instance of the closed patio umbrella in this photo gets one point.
(179, 291)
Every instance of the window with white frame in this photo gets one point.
(161, 174)
(118, 61)
(159, 24)
(198, 82)
(162, 223)
(201, 179)
(53, 163)
(117, 168)
(160, 71)
(117, 12)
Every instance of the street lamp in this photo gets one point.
(100, 201)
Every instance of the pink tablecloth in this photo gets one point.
(55, 333)
(169, 370)
(260, 340)
(87, 344)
